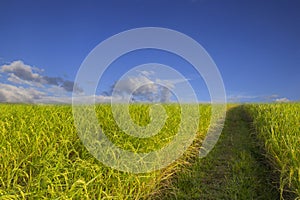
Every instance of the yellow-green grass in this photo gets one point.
(42, 157)
(234, 169)
(278, 127)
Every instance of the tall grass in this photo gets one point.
(42, 157)
(278, 126)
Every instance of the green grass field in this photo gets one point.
(256, 157)
(278, 127)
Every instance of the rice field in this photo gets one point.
(278, 126)
(43, 157)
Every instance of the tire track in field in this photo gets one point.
(234, 169)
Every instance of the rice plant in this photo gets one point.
(42, 157)
(278, 126)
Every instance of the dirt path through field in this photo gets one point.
(235, 169)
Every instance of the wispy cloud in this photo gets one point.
(283, 99)
(257, 98)
(239, 98)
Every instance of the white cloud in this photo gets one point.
(94, 98)
(240, 97)
(54, 100)
(29, 85)
(15, 79)
(22, 71)
(77, 100)
(284, 99)
(22, 74)
(142, 88)
(256, 98)
(57, 91)
(133, 84)
(10, 93)
(19, 94)
(147, 73)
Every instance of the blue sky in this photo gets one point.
(255, 44)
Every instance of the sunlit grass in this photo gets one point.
(41, 155)
(278, 126)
